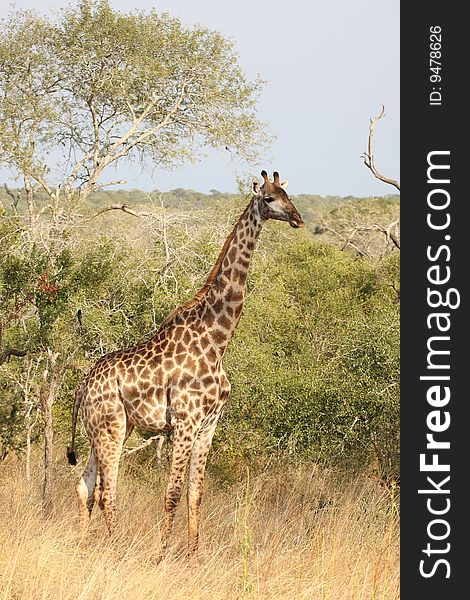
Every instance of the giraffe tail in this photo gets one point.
(71, 455)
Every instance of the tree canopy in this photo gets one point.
(103, 86)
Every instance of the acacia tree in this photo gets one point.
(102, 87)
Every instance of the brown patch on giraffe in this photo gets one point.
(158, 378)
(170, 347)
(178, 332)
(233, 296)
(239, 275)
(202, 368)
(131, 392)
(209, 318)
(194, 348)
(180, 358)
(219, 336)
(146, 373)
(180, 348)
(168, 364)
(224, 322)
(211, 354)
(218, 305)
(190, 363)
(153, 363)
(131, 375)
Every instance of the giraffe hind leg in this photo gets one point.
(85, 489)
(108, 452)
(182, 445)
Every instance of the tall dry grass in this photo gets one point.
(295, 534)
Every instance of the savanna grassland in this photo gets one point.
(301, 498)
(303, 533)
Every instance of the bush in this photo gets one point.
(314, 363)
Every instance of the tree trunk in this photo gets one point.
(47, 400)
(31, 204)
(28, 455)
(48, 456)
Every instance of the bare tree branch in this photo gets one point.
(11, 352)
(368, 157)
(159, 439)
(14, 196)
(125, 209)
(385, 230)
(347, 241)
(101, 186)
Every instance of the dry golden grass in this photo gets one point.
(298, 534)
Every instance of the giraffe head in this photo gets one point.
(273, 201)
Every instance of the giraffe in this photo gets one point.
(175, 381)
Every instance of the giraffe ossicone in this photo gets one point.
(174, 381)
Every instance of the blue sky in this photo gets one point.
(328, 65)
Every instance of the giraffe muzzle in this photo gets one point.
(296, 221)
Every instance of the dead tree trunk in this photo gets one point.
(368, 156)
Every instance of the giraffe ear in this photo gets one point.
(284, 185)
(255, 187)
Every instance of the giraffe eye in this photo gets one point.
(269, 199)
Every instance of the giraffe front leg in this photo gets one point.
(184, 435)
(197, 469)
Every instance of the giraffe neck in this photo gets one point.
(225, 289)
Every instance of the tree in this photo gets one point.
(102, 87)
(362, 237)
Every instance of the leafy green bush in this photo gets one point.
(314, 363)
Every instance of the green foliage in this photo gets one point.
(314, 363)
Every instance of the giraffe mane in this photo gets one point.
(210, 278)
